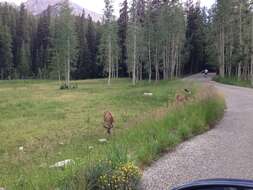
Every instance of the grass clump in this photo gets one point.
(233, 81)
(71, 86)
(113, 172)
(125, 176)
(153, 137)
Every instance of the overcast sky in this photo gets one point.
(98, 5)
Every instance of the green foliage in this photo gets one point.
(108, 47)
(232, 31)
(154, 137)
(43, 56)
(65, 46)
(6, 62)
(122, 35)
(71, 86)
(65, 40)
(125, 176)
(24, 62)
(116, 172)
(196, 38)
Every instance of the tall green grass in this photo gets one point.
(233, 81)
(147, 141)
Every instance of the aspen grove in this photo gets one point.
(150, 40)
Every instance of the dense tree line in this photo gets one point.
(48, 46)
(156, 39)
(232, 23)
(151, 39)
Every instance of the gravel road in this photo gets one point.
(224, 152)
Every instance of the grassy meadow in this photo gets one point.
(233, 81)
(53, 125)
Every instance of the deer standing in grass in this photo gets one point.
(108, 122)
(180, 99)
(183, 98)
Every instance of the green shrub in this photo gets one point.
(71, 86)
(94, 172)
(108, 175)
(184, 132)
(125, 176)
(113, 173)
(233, 81)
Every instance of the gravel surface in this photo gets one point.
(224, 152)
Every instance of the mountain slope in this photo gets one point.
(38, 6)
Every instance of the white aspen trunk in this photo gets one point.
(174, 63)
(117, 70)
(177, 61)
(65, 71)
(171, 56)
(222, 61)
(229, 70)
(229, 64)
(251, 63)
(150, 63)
(244, 74)
(219, 51)
(113, 69)
(137, 72)
(134, 56)
(164, 64)
(68, 67)
(140, 72)
(230, 60)
(59, 77)
(179, 65)
(168, 60)
(172, 59)
(223, 52)
(176, 58)
(239, 70)
(240, 41)
(156, 65)
(109, 60)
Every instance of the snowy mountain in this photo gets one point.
(38, 6)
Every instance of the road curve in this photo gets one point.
(224, 152)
